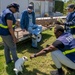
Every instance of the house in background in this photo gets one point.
(40, 6)
(43, 6)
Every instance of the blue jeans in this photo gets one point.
(35, 30)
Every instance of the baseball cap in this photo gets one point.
(71, 6)
(15, 5)
(30, 7)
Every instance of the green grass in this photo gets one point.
(38, 66)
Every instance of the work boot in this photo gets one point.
(71, 70)
(57, 72)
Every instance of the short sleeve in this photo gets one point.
(9, 16)
(58, 44)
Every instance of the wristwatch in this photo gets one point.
(34, 55)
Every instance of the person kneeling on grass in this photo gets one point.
(62, 50)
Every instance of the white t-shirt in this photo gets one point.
(30, 20)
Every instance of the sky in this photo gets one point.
(65, 0)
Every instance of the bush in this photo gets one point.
(59, 5)
(46, 15)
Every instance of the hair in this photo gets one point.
(59, 28)
(15, 5)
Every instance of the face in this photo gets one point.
(57, 33)
(13, 10)
(25, 58)
(70, 9)
(29, 10)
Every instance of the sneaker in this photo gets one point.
(71, 70)
(8, 62)
(56, 73)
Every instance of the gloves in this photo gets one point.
(57, 22)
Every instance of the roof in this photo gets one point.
(43, 0)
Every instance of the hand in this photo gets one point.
(57, 22)
(32, 56)
(17, 24)
(15, 40)
(60, 23)
(23, 30)
(47, 46)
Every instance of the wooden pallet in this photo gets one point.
(46, 22)
(20, 35)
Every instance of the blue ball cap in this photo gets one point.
(15, 5)
(71, 6)
(30, 7)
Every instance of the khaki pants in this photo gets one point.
(59, 58)
(9, 46)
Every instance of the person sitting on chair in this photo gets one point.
(28, 23)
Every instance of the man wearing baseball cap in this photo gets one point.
(28, 23)
(70, 19)
(14, 6)
(7, 31)
(71, 6)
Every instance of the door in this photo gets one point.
(37, 7)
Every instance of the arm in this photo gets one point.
(10, 23)
(72, 21)
(56, 45)
(22, 21)
(34, 19)
(44, 51)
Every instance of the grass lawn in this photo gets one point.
(38, 66)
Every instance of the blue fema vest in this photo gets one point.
(70, 19)
(3, 25)
(69, 43)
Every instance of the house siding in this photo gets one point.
(40, 7)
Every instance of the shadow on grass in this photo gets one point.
(34, 72)
(1, 55)
(1, 47)
(45, 37)
(70, 73)
(26, 44)
(10, 71)
(53, 66)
